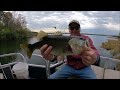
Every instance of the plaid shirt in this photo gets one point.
(75, 60)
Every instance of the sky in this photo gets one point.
(91, 21)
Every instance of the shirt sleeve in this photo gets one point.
(96, 51)
(92, 46)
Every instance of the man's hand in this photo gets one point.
(88, 56)
(46, 52)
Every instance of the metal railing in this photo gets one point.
(9, 64)
(47, 65)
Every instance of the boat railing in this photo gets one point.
(109, 63)
(43, 66)
(9, 64)
(47, 65)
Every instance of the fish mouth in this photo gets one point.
(68, 47)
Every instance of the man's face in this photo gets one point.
(74, 29)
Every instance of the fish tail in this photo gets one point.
(26, 50)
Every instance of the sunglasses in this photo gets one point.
(72, 28)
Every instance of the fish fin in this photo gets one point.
(26, 50)
(41, 34)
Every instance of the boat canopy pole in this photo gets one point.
(47, 68)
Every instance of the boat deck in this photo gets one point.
(103, 73)
(108, 68)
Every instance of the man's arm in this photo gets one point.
(96, 52)
(90, 55)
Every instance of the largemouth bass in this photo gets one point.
(62, 45)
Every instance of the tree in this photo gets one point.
(1, 24)
(7, 19)
(13, 26)
(20, 22)
(1, 14)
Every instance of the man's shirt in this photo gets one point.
(75, 60)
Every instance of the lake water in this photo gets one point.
(12, 46)
(97, 41)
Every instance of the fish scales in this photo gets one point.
(60, 44)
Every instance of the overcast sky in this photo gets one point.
(36, 20)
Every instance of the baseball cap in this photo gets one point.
(74, 21)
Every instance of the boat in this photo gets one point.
(107, 68)
(38, 70)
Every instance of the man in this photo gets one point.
(76, 65)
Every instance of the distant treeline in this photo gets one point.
(13, 26)
(118, 36)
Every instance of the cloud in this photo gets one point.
(60, 19)
(105, 19)
(111, 26)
